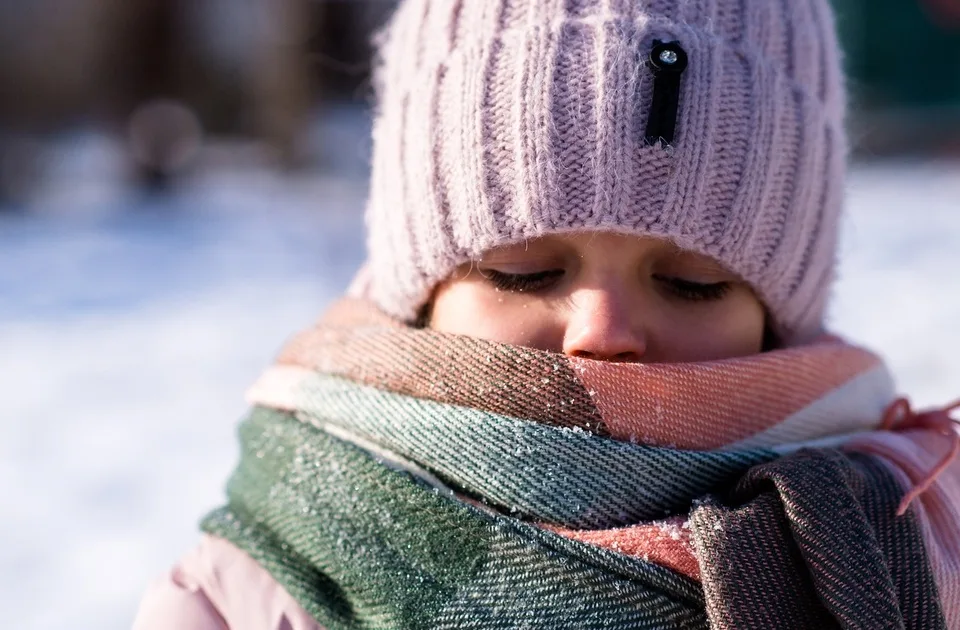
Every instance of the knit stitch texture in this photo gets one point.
(505, 120)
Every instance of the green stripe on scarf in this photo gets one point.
(559, 475)
(362, 546)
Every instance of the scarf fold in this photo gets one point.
(400, 478)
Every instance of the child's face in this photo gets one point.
(603, 296)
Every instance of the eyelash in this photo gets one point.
(695, 291)
(541, 280)
(522, 282)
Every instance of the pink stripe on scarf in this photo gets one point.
(667, 543)
(714, 404)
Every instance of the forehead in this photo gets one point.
(608, 245)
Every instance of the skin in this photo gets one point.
(603, 296)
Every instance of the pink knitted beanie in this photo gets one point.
(717, 124)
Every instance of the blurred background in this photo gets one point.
(181, 187)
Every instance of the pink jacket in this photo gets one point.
(219, 587)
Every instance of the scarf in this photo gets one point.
(400, 478)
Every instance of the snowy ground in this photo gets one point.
(127, 340)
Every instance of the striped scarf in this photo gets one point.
(401, 478)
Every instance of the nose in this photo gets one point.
(601, 326)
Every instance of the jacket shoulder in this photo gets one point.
(219, 587)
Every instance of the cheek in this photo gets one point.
(730, 328)
(473, 309)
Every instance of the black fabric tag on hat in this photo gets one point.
(668, 61)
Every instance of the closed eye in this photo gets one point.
(694, 291)
(522, 282)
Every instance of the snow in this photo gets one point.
(127, 341)
(130, 328)
(899, 288)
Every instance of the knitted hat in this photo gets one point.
(717, 124)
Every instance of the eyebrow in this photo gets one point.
(698, 261)
(519, 249)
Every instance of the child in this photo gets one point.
(583, 380)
